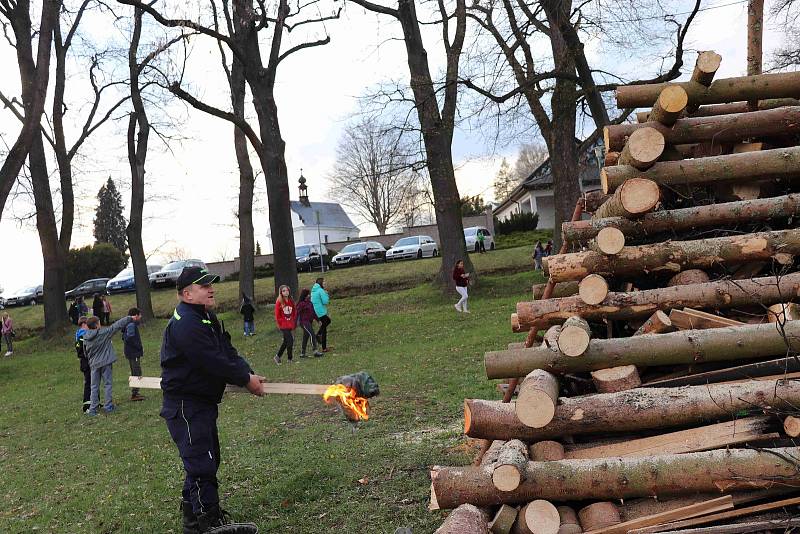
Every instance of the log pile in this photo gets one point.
(658, 387)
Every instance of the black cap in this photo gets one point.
(195, 275)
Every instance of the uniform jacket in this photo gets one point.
(285, 314)
(132, 342)
(97, 343)
(197, 358)
(320, 299)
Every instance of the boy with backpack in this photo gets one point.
(133, 348)
(84, 363)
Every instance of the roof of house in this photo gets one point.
(542, 176)
(330, 214)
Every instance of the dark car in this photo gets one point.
(124, 281)
(308, 257)
(169, 274)
(88, 288)
(360, 254)
(25, 296)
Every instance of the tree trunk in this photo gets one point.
(614, 478)
(137, 156)
(767, 164)
(779, 85)
(466, 519)
(674, 256)
(717, 129)
(729, 109)
(755, 32)
(688, 346)
(634, 198)
(710, 216)
(63, 159)
(632, 410)
(621, 306)
(34, 83)
(246, 186)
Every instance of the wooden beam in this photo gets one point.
(769, 525)
(688, 318)
(154, 382)
(685, 512)
(749, 371)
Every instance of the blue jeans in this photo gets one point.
(249, 328)
(100, 373)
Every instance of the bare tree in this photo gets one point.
(373, 173)
(787, 55)
(530, 156)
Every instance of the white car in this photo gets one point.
(419, 246)
(471, 238)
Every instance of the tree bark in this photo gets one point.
(727, 109)
(466, 519)
(763, 86)
(560, 290)
(755, 32)
(673, 256)
(632, 410)
(633, 198)
(621, 306)
(718, 129)
(710, 216)
(779, 163)
(688, 346)
(510, 465)
(614, 478)
(503, 520)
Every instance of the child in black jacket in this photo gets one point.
(133, 349)
(84, 363)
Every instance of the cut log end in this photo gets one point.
(643, 149)
(547, 451)
(610, 241)
(671, 102)
(538, 517)
(706, 67)
(593, 289)
(536, 402)
(506, 478)
(599, 515)
(569, 521)
(791, 425)
(688, 277)
(574, 337)
(616, 379)
(780, 313)
(503, 520)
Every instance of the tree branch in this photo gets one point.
(301, 46)
(377, 8)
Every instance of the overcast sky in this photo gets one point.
(195, 182)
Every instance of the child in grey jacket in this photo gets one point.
(100, 353)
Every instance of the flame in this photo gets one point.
(349, 400)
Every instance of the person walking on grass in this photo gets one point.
(320, 300)
(286, 318)
(100, 353)
(133, 349)
(461, 278)
(197, 361)
(7, 330)
(84, 363)
(481, 245)
(248, 311)
(538, 254)
(106, 310)
(305, 317)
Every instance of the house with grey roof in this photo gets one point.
(535, 193)
(314, 222)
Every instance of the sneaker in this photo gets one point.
(110, 408)
(218, 522)
(456, 306)
(277, 360)
(317, 354)
(91, 413)
(136, 398)
(9, 353)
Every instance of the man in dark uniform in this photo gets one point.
(197, 361)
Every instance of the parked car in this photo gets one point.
(418, 246)
(471, 238)
(88, 288)
(25, 296)
(360, 253)
(124, 280)
(168, 275)
(308, 257)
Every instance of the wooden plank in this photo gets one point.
(692, 440)
(770, 525)
(721, 516)
(747, 371)
(689, 318)
(783, 376)
(286, 388)
(685, 512)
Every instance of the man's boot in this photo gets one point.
(190, 524)
(215, 521)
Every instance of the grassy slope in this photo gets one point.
(291, 463)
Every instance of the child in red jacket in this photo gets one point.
(286, 318)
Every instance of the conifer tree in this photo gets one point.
(109, 222)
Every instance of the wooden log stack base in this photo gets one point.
(763, 86)
(674, 256)
(778, 163)
(610, 241)
(631, 199)
(466, 519)
(546, 451)
(644, 147)
(632, 410)
(711, 216)
(616, 379)
(509, 469)
(574, 337)
(569, 521)
(536, 402)
(623, 478)
(729, 109)
(537, 517)
(721, 294)
(671, 102)
(503, 520)
(599, 515)
(593, 289)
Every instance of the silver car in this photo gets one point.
(168, 275)
(25, 296)
(418, 246)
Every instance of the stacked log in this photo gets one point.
(671, 327)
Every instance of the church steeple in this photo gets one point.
(303, 190)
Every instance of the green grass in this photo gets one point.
(290, 463)
(522, 239)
